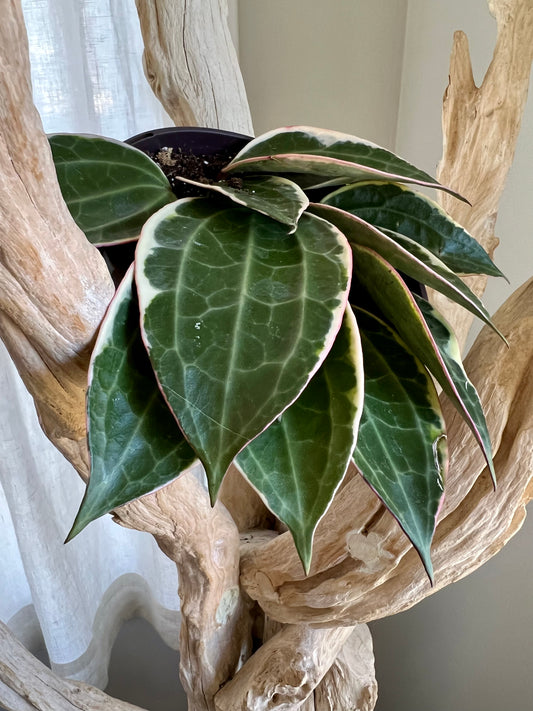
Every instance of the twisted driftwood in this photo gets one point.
(320, 657)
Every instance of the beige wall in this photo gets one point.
(332, 64)
(341, 64)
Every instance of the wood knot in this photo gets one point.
(369, 550)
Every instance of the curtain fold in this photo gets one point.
(87, 78)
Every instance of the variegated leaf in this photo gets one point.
(398, 306)
(237, 314)
(451, 355)
(401, 451)
(110, 188)
(330, 154)
(297, 464)
(276, 197)
(135, 444)
(407, 256)
(394, 207)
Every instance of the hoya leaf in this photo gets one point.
(332, 155)
(297, 464)
(408, 256)
(394, 207)
(135, 444)
(401, 450)
(271, 195)
(398, 306)
(237, 315)
(451, 355)
(110, 188)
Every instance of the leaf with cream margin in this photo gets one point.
(389, 292)
(407, 256)
(298, 462)
(329, 154)
(449, 349)
(394, 207)
(135, 444)
(237, 314)
(110, 188)
(276, 197)
(401, 449)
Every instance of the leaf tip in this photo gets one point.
(77, 527)
(425, 557)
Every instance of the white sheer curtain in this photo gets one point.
(87, 77)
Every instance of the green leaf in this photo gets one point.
(135, 443)
(276, 197)
(451, 355)
(237, 314)
(407, 256)
(394, 207)
(401, 450)
(110, 188)
(297, 464)
(332, 155)
(398, 306)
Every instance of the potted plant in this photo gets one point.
(270, 320)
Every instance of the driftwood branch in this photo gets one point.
(285, 670)
(305, 669)
(190, 63)
(27, 685)
(52, 296)
(480, 128)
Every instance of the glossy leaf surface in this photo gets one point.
(399, 308)
(407, 256)
(393, 207)
(451, 355)
(401, 450)
(110, 188)
(237, 314)
(134, 442)
(276, 197)
(298, 463)
(304, 149)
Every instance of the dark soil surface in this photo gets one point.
(206, 169)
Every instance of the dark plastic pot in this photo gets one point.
(199, 141)
(195, 140)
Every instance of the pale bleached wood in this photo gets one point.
(28, 685)
(350, 684)
(291, 667)
(54, 287)
(284, 671)
(190, 63)
(475, 522)
(245, 506)
(480, 130)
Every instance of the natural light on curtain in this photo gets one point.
(87, 77)
(86, 67)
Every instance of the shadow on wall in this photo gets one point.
(144, 671)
